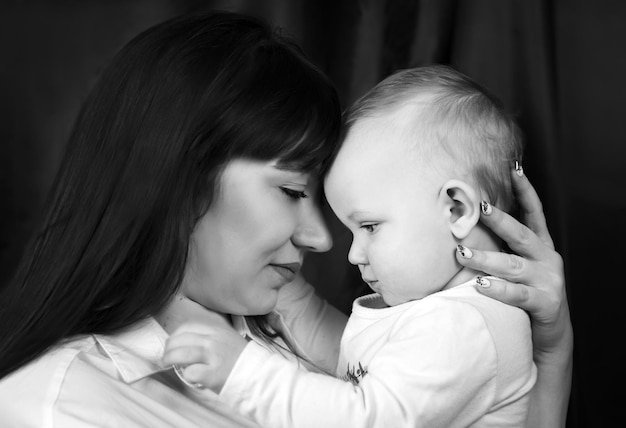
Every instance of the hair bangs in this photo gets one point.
(292, 113)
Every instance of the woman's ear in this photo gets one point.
(461, 204)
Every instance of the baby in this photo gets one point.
(425, 151)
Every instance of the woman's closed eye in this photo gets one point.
(294, 194)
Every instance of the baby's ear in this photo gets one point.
(461, 204)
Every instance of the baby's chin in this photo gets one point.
(393, 300)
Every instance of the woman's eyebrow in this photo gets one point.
(296, 168)
(291, 167)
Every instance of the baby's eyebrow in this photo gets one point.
(356, 216)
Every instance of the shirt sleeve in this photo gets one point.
(436, 370)
(310, 323)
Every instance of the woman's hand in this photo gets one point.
(204, 354)
(534, 280)
(534, 276)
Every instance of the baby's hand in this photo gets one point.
(207, 353)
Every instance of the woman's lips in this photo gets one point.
(288, 270)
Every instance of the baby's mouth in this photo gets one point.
(371, 283)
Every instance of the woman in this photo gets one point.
(189, 192)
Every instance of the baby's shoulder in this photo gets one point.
(463, 308)
(491, 310)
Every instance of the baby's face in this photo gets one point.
(401, 240)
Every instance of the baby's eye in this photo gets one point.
(293, 194)
(370, 228)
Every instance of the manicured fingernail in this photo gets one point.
(485, 207)
(482, 282)
(466, 253)
(519, 170)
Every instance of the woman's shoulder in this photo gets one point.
(29, 395)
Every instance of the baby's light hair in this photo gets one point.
(457, 116)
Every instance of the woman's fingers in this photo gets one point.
(507, 292)
(543, 271)
(536, 286)
(531, 208)
(503, 265)
(518, 237)
(543, 305)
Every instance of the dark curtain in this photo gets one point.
(557, 65)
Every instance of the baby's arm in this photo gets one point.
(311, 325)
(409, 379)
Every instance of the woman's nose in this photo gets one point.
(312, 233)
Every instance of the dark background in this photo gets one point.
(558, 65)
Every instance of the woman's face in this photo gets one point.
(253, 238)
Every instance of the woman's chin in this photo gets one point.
(263, 305)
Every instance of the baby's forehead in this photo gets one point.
(400, 135)
(379, 139)
(403, 109)
(406, 126)
(404, 115)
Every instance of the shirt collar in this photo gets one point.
(136, 352)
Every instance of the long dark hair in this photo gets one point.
(141, 167)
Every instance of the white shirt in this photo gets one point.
(118, 381)
(108, 381)
(453, 359)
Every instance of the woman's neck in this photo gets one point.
(183, 310)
